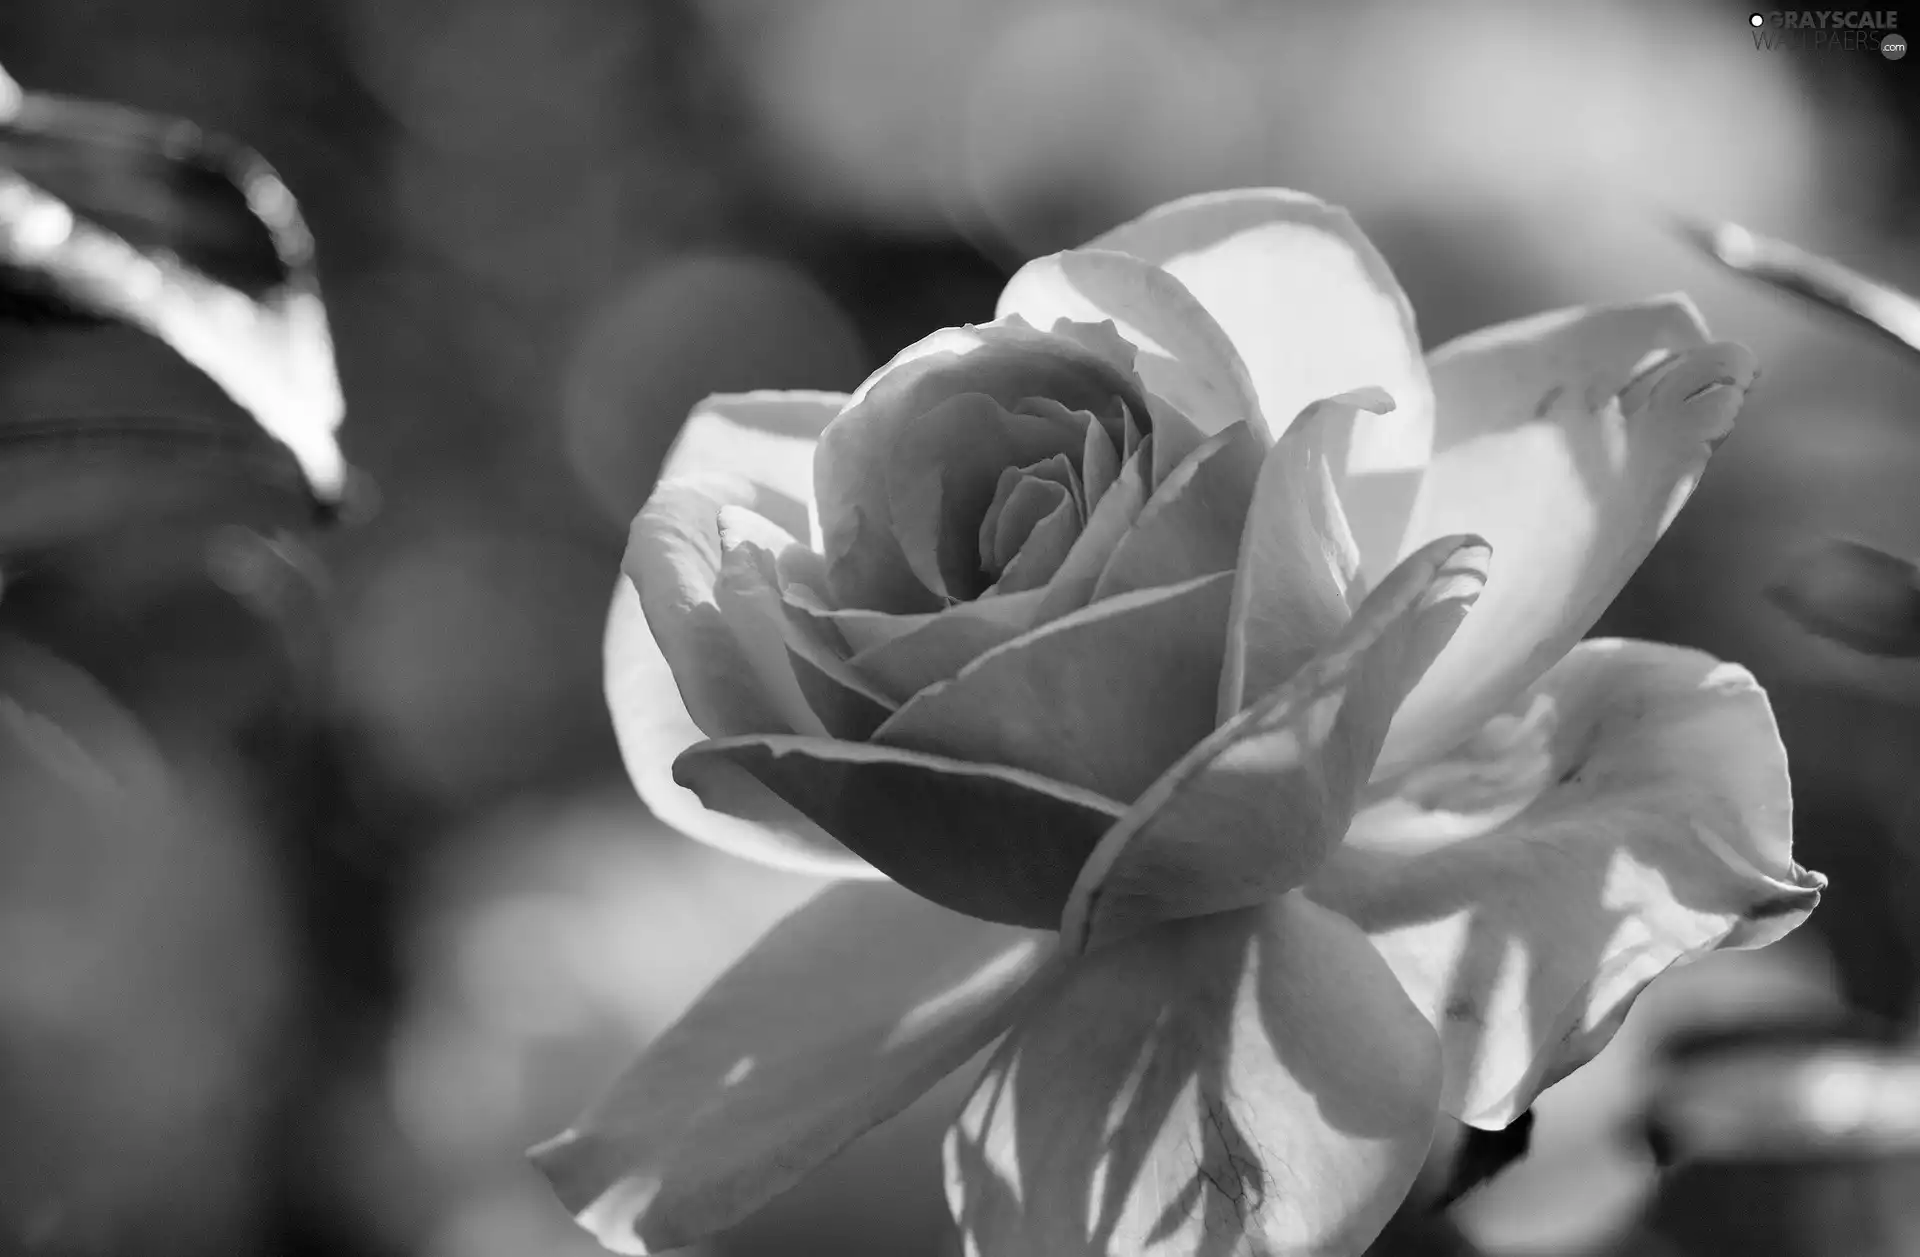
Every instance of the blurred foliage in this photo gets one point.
(369, 905)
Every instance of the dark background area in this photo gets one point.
(374, 906)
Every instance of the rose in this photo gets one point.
(1139, 615)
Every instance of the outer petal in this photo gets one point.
(845, 1012)
(652, 724)
(1105, 698)
(1250, 1082)
(992, 842)
(1661, 829)
(1559, 448)
(767, 438)
(1251, 811)
(1297, 574)
(1314, 311)
(1185, 357)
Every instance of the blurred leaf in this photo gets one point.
(1856, 595)
(112, 219)
(1823, 281)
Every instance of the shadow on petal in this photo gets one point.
(991, 842)
(1561, 446)
(1526, 912)
(850, 1008)
(1251, 811)
(1191, 525)
(1252, 1081)
(1106, 698)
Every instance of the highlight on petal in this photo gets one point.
(992, 842)
(858, 460)
(1558, 445)
(1314, 311)
(1249, 1082)
(1105, 698)
(1299, 570)
(1250, 812)
(652, 724)
(843, 1014)
(1183, 354)
(767, 437)
(1524, 905)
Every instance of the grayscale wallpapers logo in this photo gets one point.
(1829, 30)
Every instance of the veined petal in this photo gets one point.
(1659, 829)
(1184, 355)
(1314, 311)
(1248, 1082)
(1251, 811)
(1192, 523)
(1105, 698)
(993, 842)
(846, 1011)
(652, 723)
(1558, 446)
(766, 437)
(856, 459)
(1298, 574)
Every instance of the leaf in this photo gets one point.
(1854, 594)
(113, 220)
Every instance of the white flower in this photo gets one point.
(1133, 628)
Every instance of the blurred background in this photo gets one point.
(329, 896)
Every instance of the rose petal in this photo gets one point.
(746, 594)
(1662, 830)
(908, 653)
(1571, 487)
(942, 481)
(1250, 1082)
(1105, 698)
(846, 1011)
(1001, 534)
(1251, 811)
(1006, 361)
(1314, 311)
(1184, 355)
(652, 724)
(993, 842)
(1099, 465)
(1071, 587)
(1191, 525)
(793, 657)
(1042, 553)
(766, 437)
(1298, 570)
(1175, 437)
(903, 655)
(1030, 499)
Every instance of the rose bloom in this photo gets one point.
(1185, 677)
